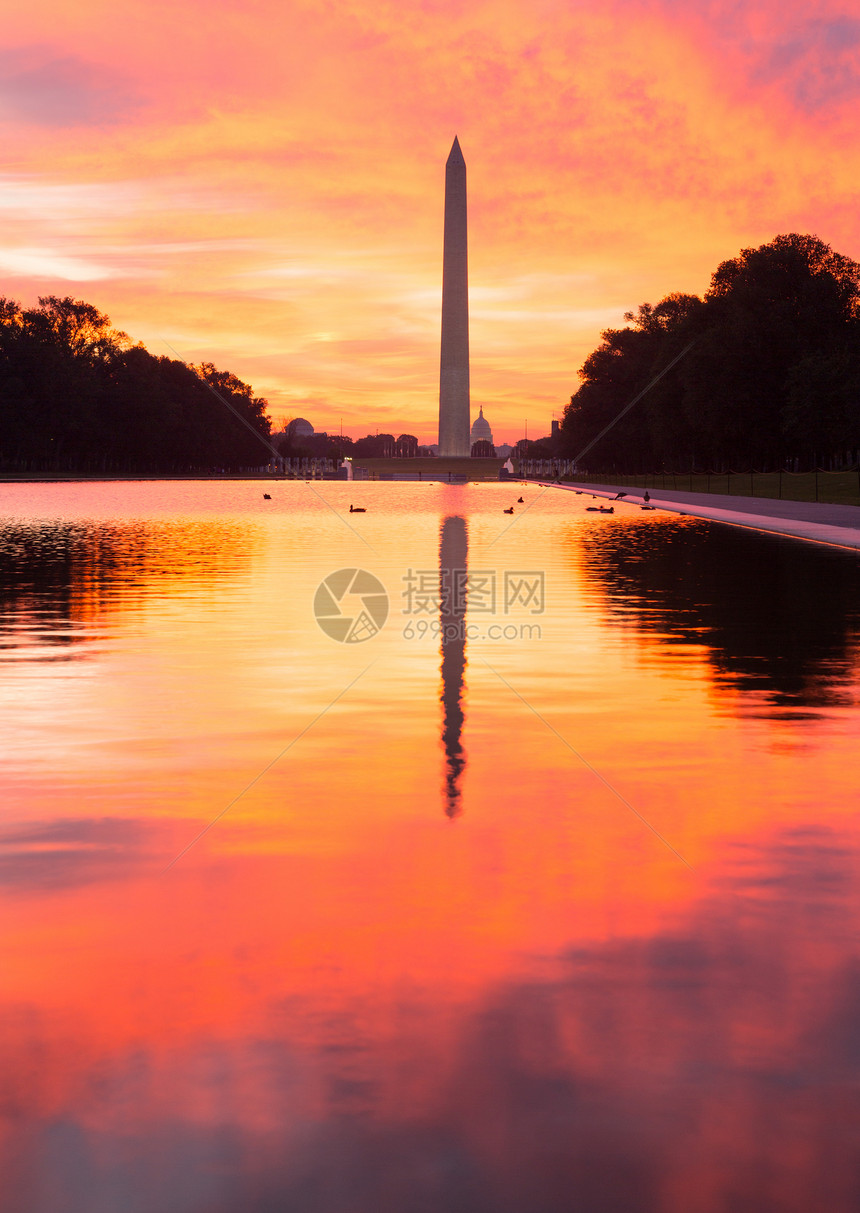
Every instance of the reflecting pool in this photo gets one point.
(427, 858)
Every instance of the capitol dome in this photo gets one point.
(481, 431)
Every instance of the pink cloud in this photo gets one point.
(277, 173)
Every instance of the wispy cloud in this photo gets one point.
(47, 263)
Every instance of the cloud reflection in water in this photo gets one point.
(711, 1065)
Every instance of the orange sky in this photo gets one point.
(261, 183)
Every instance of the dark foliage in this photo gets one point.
(541, 448)
(76, 395)
(376, 446)
(407, 446)
(772, 377)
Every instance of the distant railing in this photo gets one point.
(298, 469)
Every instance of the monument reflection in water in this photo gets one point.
(453, 559)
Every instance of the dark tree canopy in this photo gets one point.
(407, 446)
(376, 446)
(76, 394)
(773, 373)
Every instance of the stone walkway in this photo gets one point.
(812, 520)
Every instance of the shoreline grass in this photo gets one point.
(831, 488)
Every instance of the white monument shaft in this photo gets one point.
(454, 408)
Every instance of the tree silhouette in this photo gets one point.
(773, 371)
(406, 446)
(76, 394)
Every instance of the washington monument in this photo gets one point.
(454, 363)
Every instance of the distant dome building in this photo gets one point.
(481, 431)
(301, 427)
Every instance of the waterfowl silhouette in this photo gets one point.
(267, 496)
(519, 501)
(357, 509)
(509, 511)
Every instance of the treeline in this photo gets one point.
(771, 378)
(77, 395)
(293, 444)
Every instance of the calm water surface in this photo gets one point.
(540, 897)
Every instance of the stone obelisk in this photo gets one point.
(454, 365)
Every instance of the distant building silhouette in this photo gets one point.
(481, 431)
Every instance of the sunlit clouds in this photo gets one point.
(261, 185)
